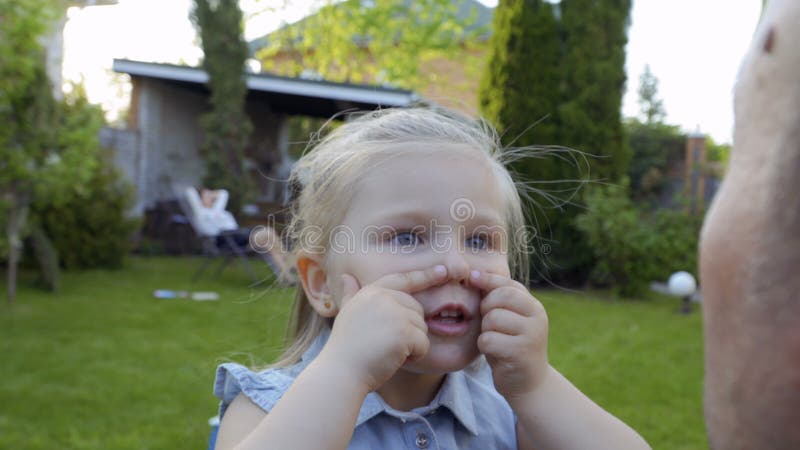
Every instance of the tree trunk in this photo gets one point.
(13, 236)
(46, 256)
(18, 213)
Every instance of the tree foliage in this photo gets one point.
(654, 146)
(556, 76)
(381, 41)
(226, 127)
(40, 156)
(523, 77)
(89, 227)
(717, 153)
(595, 35)
(651, 106)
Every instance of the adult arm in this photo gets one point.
(750, 252)
(220, 200)
(200, 214)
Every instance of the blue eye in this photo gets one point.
(479, 241)
(406, 238)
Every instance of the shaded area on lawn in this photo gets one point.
(104, 365)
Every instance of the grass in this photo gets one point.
(104, 365)
(640, 360)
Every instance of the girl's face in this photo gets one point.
(413, 212)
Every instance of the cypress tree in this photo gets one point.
(595, 35)
(519, 94)
(226, 127)
(562, 63)
(521, 84)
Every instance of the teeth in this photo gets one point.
(450, 313)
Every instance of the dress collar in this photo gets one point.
(454, 394)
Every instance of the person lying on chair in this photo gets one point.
(213, 218)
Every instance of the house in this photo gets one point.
(450, 80)
(159, 149)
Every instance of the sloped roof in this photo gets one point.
(284, 94)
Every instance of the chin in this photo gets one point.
(444, 358)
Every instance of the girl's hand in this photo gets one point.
(513, 334)
(381, 326)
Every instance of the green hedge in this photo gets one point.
(633, 248)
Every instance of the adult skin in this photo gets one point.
(750, 252)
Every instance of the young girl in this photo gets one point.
(413, 327)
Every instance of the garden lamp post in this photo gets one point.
(682, 284)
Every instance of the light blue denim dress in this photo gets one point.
(467, 412)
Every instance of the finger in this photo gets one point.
(418, 320)
(513, 299)
(413, 281)
(487, 281)
(407, 301)
(419, 345)
(497, 345)
(350, 287)
(505, 322)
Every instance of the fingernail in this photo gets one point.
(440, 269)
(475, 274)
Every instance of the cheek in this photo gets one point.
(369, 267)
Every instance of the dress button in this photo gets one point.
(422, 440)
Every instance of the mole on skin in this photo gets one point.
(770, 41)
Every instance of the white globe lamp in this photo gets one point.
(682, 284)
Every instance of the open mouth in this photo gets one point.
(449, 316)
(449, 320)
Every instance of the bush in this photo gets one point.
(612, 227)
(671, 242)
(631, 248)
(90, 229)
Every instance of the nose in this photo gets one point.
(457, 267)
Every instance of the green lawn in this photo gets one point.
(104, 365)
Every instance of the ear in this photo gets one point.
(314, 279)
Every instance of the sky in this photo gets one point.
(693, 47)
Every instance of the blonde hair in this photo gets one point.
(326, 178)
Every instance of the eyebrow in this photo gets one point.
(419, 217)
